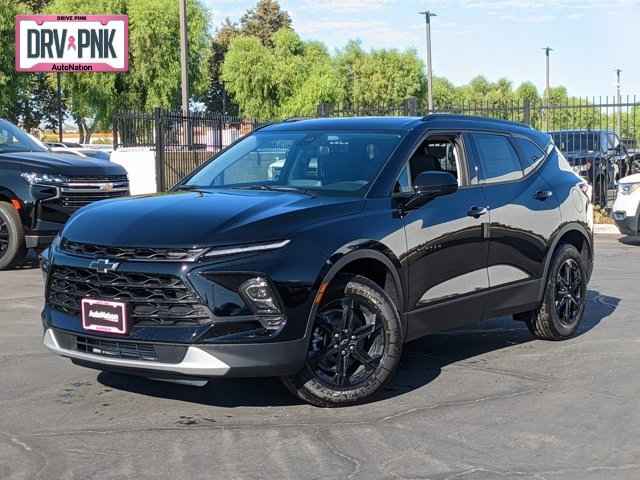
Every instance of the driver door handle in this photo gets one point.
(477, 212)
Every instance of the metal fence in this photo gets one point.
(183, 142)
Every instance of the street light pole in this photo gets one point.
(618, 72)
(427, 17)
(548, 50)
(184, 49)
(59, 95)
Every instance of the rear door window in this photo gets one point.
(498, 159)
(530, 154)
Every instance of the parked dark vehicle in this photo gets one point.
(371, 233)
(597, 155)
(40, 189)
(633, 150)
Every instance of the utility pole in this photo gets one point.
(184, 49)
(427, 17)
(59, 94)
(184, 69)
(547, 92)
(548, 50)
(618, 72)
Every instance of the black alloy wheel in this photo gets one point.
(568, 301)
(354, 347)
(12, 248)
(347, 343)
(565, 297)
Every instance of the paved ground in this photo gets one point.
(482, 404)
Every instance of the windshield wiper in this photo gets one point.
(275, 188)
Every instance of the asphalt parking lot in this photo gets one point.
(484, 403)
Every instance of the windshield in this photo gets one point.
(341, 163)
(570, 142)
(12, 139)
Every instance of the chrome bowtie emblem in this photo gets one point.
(104, 265)
(106, 187)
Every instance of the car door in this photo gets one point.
(523, 215)
(446, 249)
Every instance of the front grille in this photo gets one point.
(111, 348)
(81, 191)
(152, 299)
(125, 349)
(131, 253)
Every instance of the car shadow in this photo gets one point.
(30, 261)
(634, 241)
(422, 362)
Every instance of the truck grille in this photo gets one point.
(152, 299)
(131, 253)
(81, 191)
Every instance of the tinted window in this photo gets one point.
(498, 159)
(530, 153)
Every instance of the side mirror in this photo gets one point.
(429, 185)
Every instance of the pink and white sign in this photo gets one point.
(72, 43)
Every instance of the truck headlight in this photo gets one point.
(628, 188)
(35, 178)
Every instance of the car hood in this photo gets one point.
(635, 178)
(193, 219)
(59, 163)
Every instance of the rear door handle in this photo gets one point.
(477, 212)
(543, 194)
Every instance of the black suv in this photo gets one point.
(370, 232)
(39, 190)
(597, 155)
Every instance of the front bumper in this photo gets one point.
(627, 225)
(38, 241)
(198, 362)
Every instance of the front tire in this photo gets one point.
(12, 248)
(355, 346)
(564, 300)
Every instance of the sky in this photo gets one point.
(494, 38)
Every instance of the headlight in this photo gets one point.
(628, 188)
(43, 178)
(257, 247)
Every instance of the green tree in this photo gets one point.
(379, 77)
(264, 20)
(153, 79)
(289, 79)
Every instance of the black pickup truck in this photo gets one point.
(40, 190)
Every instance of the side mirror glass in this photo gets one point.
(429, 185)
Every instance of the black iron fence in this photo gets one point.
(181, 142)
(599, 136)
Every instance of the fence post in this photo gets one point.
(157, 116)
(526, 112)
(411, 107)
(323, 109)
(114, 130)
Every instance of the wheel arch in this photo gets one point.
(372, 260)
(575, 234)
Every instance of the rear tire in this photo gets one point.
(355, 346)
(12, 247)
(564, 300)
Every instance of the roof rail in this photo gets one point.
(294, 119)
(456, 116)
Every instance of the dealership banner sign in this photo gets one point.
(72, 43)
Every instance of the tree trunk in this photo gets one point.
(87, 132)
(79, 123)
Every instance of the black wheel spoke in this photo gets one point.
(347, 313)
(366, 331)
(369, 363)
(341, 370)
